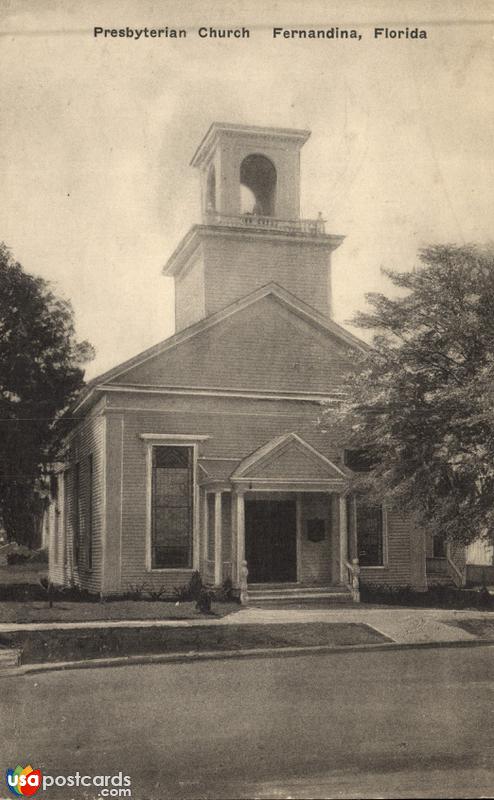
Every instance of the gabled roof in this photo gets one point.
(281, 295)
(288, 457)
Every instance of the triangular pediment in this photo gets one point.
(267, 342)
(288, 458)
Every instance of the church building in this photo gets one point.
(204, 452)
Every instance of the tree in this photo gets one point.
(40, 375)
(421, 400)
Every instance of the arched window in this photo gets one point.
(211, 190)
(258, 177)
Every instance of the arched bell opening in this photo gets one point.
(257, 185)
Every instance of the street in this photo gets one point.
(409, 723)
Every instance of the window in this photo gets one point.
(358, 460)
(89, 538)
(370, 528)
(172, 507)
(76, 522)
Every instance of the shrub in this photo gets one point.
(39, 557)
(437, 596)
(157, 594)
(17, 558)
(135, 591)
(226, 594)
(190, 590)
(203, 602)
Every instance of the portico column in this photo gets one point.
(218, 547)
(240, 527)
(205, 528)
(353, 527)
(343, 538)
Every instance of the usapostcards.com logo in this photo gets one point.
(26, 782)
(23, 782)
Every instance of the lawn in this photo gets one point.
(81, 644)
(480, 626)
(66, 611)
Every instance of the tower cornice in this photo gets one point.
(182, 254)
(207, 145)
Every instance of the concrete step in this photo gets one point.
(298, 594)
(9, 657)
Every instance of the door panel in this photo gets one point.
(271, 540)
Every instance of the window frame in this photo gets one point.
(384, 534)
(171, 440)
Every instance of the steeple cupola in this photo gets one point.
(246, 169)
(251, 232)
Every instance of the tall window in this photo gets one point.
(370, 536)
(76, 521)
(172, 507)
(89, 538)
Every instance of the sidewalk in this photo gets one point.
(402, 625)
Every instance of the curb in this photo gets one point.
(220, 655)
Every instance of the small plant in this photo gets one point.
(49, 588)
(135, 591)
(203, 602)
(157, 594)
(17, 558)
(190, 590)
(226, 593)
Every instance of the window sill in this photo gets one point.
(169, 569)
(378, 566)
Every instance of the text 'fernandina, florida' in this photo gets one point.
(245, 33)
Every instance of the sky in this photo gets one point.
(96, 136)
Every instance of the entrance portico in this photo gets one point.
(283, 511)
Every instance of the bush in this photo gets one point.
(135, 591)
(437, 596)
(226, 594)
(190, 590)
(204, 599)
(17, 558)
(39, 557)
(157, 594)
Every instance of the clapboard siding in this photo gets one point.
(316, 558)
(88, 441)
(398, 570)
(235, 270)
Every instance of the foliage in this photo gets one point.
(421, 399)
(191, 590)
(157, 594)
(40, 374)
(17, 558)
(197, 591)
(437, 596)
(204, 599)
(226, 593)
(135, 591)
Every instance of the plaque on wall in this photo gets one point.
(316, 530)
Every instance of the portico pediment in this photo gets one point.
(288, 459)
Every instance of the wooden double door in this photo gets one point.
(271, 540)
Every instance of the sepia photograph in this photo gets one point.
(246, 399)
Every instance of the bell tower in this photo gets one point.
(246, 169)
(251, 232)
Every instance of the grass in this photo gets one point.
(77, 645)
(62, 611)
(481, 627)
